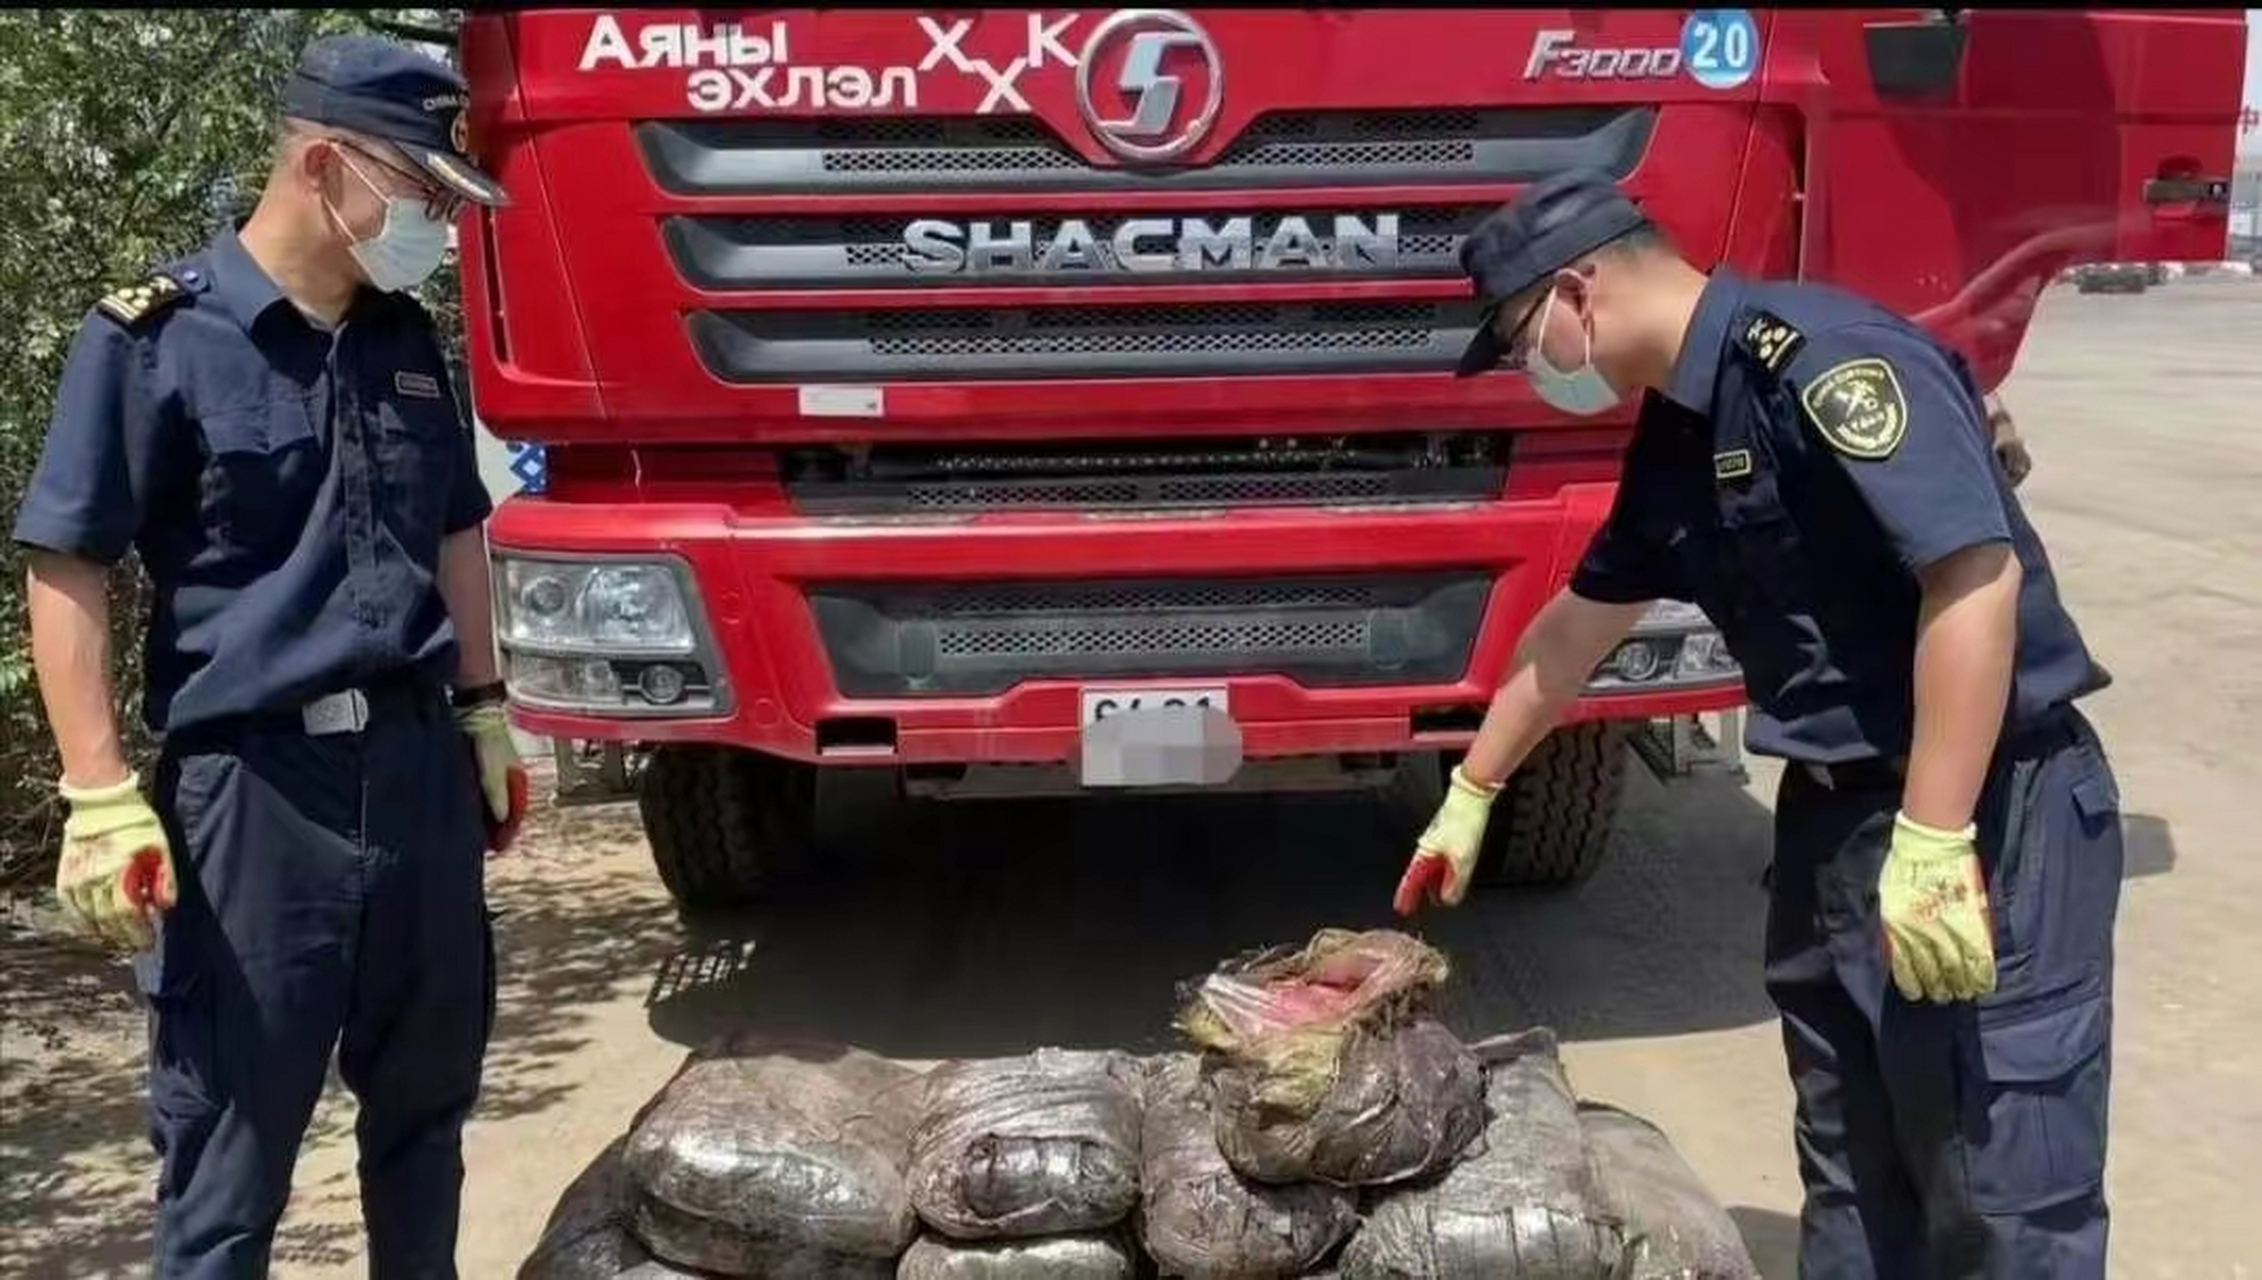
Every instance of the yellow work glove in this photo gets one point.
(1933, 899)
(502, 776)
(116, 873)
(1447, 852)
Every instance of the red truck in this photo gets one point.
(949, 391)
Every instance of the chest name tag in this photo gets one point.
(421, 385)
(1731, 465)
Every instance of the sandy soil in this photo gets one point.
(996, 929)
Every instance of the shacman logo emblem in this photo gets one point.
(1143, 109)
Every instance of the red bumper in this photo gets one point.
(753, 574)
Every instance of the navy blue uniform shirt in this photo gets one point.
(287, 486)
(1813, 454)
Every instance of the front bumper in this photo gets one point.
(891, 641)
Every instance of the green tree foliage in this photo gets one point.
(126, 138)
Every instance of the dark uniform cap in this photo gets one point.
(386, 90)
(1547, 227)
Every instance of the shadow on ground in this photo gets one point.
(73, 1106)
(77, 1176)
(1771, 1238)
(567, 938)
(994, 928)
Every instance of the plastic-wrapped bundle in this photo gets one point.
(1046, 1144)
(768, 1158)
(1675, 1230)
(1326, 1068)
(1405, 1104)
(724, 1250)
(587, 1236)
(1526, 1207)
(1053, 1258)
(1200, 1220)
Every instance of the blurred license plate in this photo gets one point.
(1158, 738)
(1101, 703)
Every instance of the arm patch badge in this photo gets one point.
(137, 302)
(1773, 340)
(1858, 407)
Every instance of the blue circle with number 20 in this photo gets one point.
(1720, 47)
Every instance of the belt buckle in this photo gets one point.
(344, 712)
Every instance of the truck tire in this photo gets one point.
(1551, 823)
(726, 826)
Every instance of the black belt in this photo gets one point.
(2055, 727)
(1858, 775)
(2052, 729)
(393, 695)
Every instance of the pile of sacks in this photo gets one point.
(1327, 1125)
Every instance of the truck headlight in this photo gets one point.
(1674, 646)
(622, 637)
(594, 607)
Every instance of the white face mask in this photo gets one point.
(1583, 391)
(407, 247)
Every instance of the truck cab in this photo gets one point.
(1034, 400)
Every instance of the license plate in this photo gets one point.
(1158, 738)
(1102, 703)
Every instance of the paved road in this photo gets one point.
(995, 929)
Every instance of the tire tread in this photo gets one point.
(724, 824)
(1553, 822)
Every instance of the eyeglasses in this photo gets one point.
(440, 203)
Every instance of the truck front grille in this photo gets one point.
(979, 153)
(827, 251)
(1326, 632)
(1192, 339)
(881, 232)
(894, 480)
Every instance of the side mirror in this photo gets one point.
(1916, 59)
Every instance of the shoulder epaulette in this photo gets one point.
(1772, 340)
(135, 303)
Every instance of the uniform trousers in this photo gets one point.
(331, 901)
(1965, 1139)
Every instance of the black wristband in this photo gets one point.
(477, 695)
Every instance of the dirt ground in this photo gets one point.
(997, 929)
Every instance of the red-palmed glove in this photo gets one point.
(116, 873)
(1932, 901)
(1446, 854)
(502, 775)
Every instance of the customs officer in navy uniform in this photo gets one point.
(269, 423)
(1816, 473)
